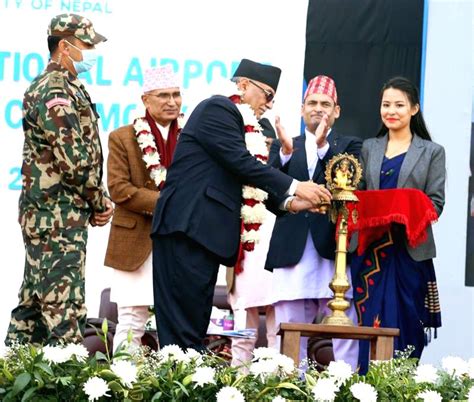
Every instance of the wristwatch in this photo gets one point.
(288, 205)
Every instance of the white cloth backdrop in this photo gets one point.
(204, 40)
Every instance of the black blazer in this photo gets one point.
(291, 231)
(203, 191)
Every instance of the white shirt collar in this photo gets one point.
(164, 130)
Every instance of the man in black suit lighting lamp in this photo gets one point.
(197, 221)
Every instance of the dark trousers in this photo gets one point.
(184, 276)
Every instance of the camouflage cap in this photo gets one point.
(75, 25)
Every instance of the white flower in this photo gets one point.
(248, 115)
(278, 399)
(151, 159)
(141, 125)
(253, 193)
(340, 371)
(126, 371)
(285, 363)
(161, 175)
(426, 373)
(455, 366)
(430, 396)
(158, 175)
(146, 140)
(263, 368)
(229, 394)
(172, 353)
(78, 350)
(325, 390)
(203, 376)
(364, 392)
(470, 395)
(250, 236)
(193, 354)
(95, 388)
(255, 214)
(265, 353)
(56, 354)
(268, 361)
(256, 145)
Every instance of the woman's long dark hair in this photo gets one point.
(417, 123)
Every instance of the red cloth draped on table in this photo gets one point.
(377, 209)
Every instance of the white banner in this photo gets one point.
(203, 40)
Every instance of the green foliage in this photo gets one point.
(400, 379)
(61, 373)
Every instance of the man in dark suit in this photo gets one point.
(302, 248)
(197, 222)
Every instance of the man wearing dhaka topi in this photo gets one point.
(139, 155)
(197, 221)
(302, 248)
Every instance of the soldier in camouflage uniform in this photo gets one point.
(62, 189)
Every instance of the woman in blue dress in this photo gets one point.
(395, 284)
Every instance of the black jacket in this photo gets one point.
(203, 191)
(291, 231)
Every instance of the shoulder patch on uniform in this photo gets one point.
(57, 101)
(56, 80)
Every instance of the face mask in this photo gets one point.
(89, 59)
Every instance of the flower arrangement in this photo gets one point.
(67, 373)
(253, 210)
(398, 379)
(151, 155)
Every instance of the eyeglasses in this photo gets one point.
(166, 97)
(268, 94)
